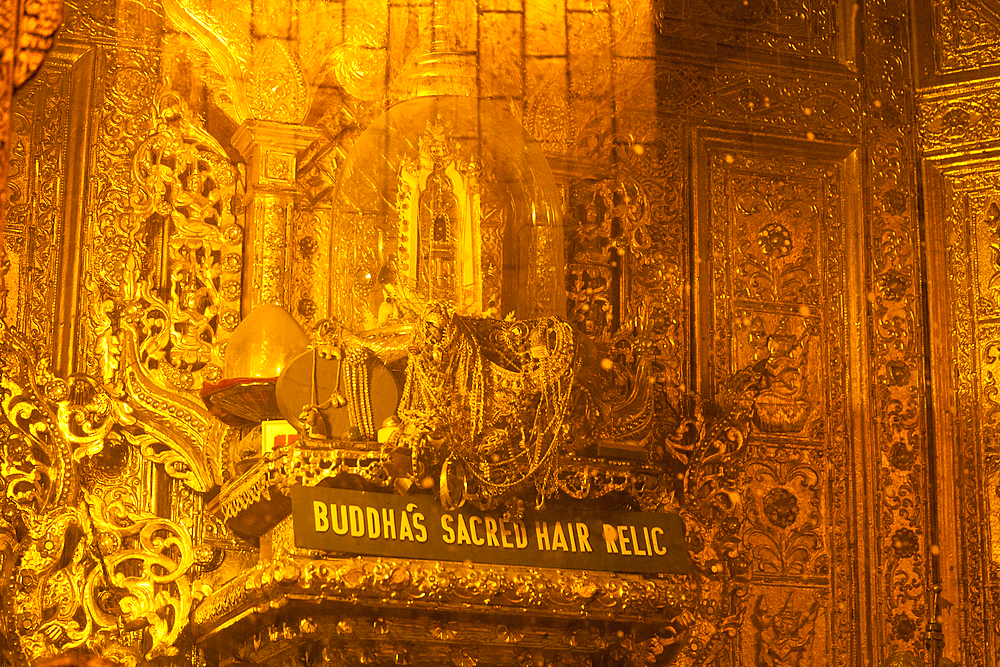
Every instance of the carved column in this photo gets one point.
(270, 150)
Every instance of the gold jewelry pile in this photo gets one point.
(493, 397)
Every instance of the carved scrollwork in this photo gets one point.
(142, 580)
(37, 460)
(966, 35)
(760, 24)
(85, 571)
(178, 307)
(90, 572)
(782, 496)
(183, 199)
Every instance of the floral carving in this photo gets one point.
(966, 36)
(904, 543)
(893, 284)
(898, 372)
(774, 220)
(901, 456)
(782, 531)
(774, 239)
(87, 566)
(904, 627)
(781, 507)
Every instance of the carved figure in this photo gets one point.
(784, 636)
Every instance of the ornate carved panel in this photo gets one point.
(894, 406)
(808, 27)
(966, 35)
(970, 204)
(35, 226)
(776, 234)
(824, 107)
(958, 118)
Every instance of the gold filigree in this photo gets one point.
(781, 493)
(85, 571)
(89, 572)
(165, 347)
(898, 412)
(37, 461)
(949, 119)
(371, 581)
(184, 191)
(966, 36)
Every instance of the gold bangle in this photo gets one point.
(455, 465)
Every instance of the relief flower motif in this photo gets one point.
(897, 373)
(233, 234)
(231, 290)
(730, 525)
(108, 543)
(750, 99)
(739, 566)
(462, 658)
(905, 543)
(232, 263)
(445, 632)
(894, 202)
(781, 507)
(509, 635)
(308, 246)
(27, 580)
(27, 623)
(230, 319)
(893, 285)
(901, 457)
(904, 627)
(9, 513)
(306, 307)
(48, 547)
(955, 121)
(775, 239)
(19, 450)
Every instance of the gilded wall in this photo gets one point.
(805, 189)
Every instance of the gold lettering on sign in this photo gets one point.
(319, 512)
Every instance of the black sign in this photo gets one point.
(381, 524)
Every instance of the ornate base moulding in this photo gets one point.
(382, 608)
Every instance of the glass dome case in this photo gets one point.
(446, 198)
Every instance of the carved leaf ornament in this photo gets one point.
(86, 569)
